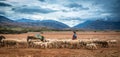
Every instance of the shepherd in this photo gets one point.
(37, 36)
(40, 37)
(74, 35)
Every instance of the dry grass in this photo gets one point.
(32, 52)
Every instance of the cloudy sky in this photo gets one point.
(70, 12)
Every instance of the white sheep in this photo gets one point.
(112, 41)
(44, 45)
(49, 44)
(91, 46)
(73, 44)
(35, 44)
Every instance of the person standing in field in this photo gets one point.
(74, 35)
(40, 37)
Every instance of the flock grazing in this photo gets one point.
(91, 44)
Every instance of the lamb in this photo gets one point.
(91, 46)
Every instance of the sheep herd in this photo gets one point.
(91, 44)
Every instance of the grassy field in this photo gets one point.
(64, 52)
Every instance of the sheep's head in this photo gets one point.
(3, 37)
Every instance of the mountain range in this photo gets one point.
(99, 25)
(52, 24)
(6, 22)
(44, 23)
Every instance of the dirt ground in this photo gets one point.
(64, 52)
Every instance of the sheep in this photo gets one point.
(73, 44)
(1, 38)
(37, 44)
(40, 45)
(65, 43)
(54, 43)
(84, 42)
(102, 43)
(49, 45)
(22, 44)
(31, 38)
(105, 44)
(59, 44)
(91, 46)
(112, 43)
(47, 40)
(44, 45)
(9, 43)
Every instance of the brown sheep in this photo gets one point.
(1, 38)
(9, 43)
(22, 44)
(102, 43)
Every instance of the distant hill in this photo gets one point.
(54, 24)
(99, 25)
(26, 20)
(4, 19)
(28, 23)
(6, 22)
(44, 23)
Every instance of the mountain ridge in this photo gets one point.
(50, 24)
(99, 25)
